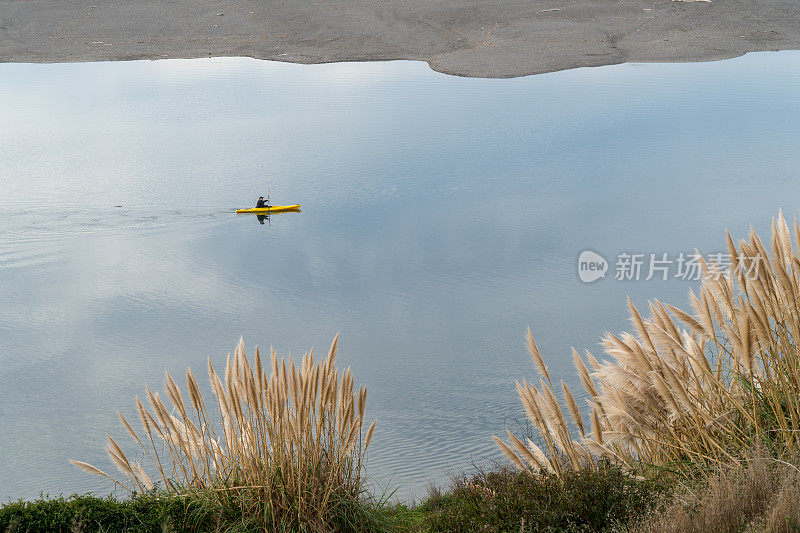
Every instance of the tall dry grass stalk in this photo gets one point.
(290, 439)
(686, 387)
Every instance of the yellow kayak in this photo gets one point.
(268, 210)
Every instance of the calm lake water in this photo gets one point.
(441, 217)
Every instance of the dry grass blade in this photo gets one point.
(89, 468)
(537, 356)
(508, 452)
(573, 408)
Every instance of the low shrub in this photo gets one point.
(85, 513)
(507, 500)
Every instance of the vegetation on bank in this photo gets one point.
(504, 499)
(762, 496)
(499, 500)
(687, 392)
(694, 425)
(162, 512)
(84, 513)
(691, 390)
(287, 452)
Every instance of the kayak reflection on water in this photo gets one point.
(282, 209)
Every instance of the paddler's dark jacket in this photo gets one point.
(261, 203)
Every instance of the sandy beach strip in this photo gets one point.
(490, 38)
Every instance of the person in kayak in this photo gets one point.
(261, 202)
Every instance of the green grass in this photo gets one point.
(507, 500)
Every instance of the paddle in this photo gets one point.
(268, 220)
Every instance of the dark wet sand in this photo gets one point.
(490, 38)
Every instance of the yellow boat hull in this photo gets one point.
(269, 210)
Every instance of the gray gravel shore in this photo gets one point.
(489, 38)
